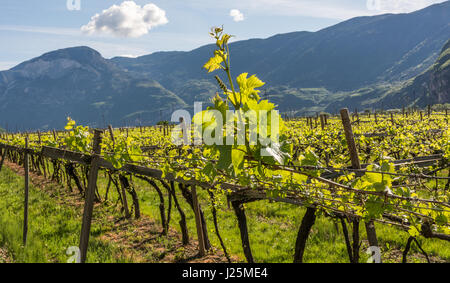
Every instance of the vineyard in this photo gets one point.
(359, 170)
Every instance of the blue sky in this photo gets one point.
(29, 28)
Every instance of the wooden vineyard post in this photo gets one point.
(90, 194)
(198, 221)
(392, 118)
(421, 116)
(370, 227)
(3, 158)
(322, 122)
(376, 120)
(429, 111)
(112, 135)
(350, 139)
(25, 209)
(357, 116)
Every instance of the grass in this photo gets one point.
(53, 226)
(273, 230)
(272, 227)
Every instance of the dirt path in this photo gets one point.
(139, 240)
(4, 256)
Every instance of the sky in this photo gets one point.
(29, 28)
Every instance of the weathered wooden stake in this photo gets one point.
(350, 139)
(3, 158)
(370, 228)
(90, 195)
(322, 122)
(25, 210)
(112, 135)
(198, 222)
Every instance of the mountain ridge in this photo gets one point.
(77, 82)
(364, 62)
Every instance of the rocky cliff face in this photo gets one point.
(439, 84)
(431, 87)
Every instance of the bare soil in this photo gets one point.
(4, 256)
(138, 240)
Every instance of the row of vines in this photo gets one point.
(387, 168)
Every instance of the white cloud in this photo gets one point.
(329, 9)
(126, 20)
(236, 15)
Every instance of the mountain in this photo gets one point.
(359, 52)
(382, 61)
(77, 82)
(429, 88)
